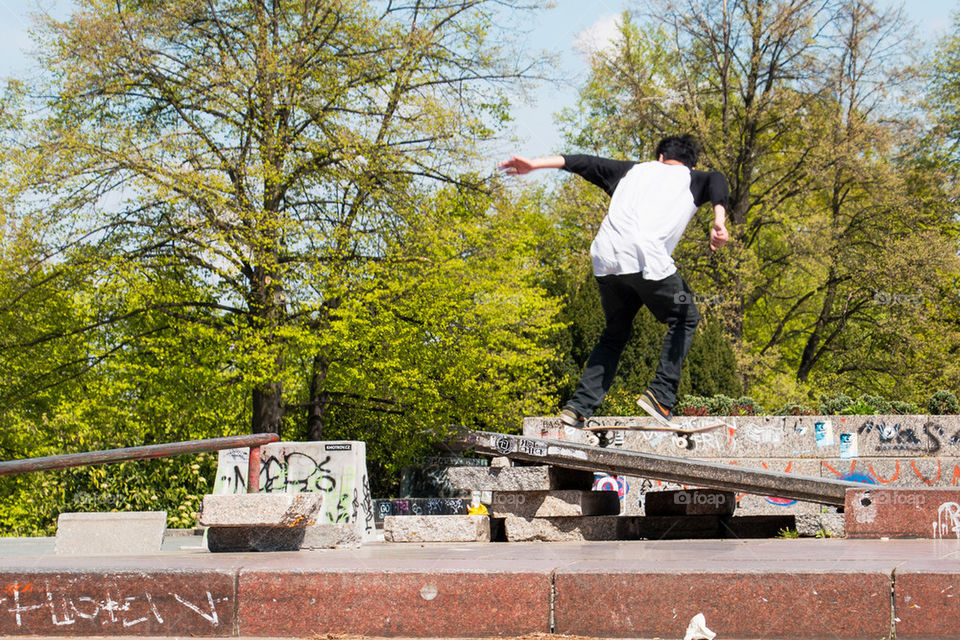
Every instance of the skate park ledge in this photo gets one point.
(779, 588)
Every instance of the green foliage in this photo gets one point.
(827, 285)
(717, 405)
(834, 405)
(300, 250)
(943, 402)
(794, 409)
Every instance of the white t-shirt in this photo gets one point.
(650, 206)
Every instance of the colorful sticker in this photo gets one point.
(848, 446)
(823, 432)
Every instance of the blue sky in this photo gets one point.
(560, 30)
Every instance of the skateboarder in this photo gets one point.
(651, 204)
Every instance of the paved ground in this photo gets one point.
(781, 588)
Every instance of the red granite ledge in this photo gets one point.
(902, 512)
(201, 603)
(927, 600)
(427, 604)
(736, 605)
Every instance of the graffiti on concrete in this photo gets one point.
(894, 436)
(607, 482)
(948, 520)
(30, 607)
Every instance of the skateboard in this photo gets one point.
(681, 435)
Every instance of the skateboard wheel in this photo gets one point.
(683, 442)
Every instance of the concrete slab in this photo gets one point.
(331, 535)
(535, 478)
(261, 510)
(242, 539)
(436, 529)
(551, 504)
(571, 529)
(122, 533)
(693, 502)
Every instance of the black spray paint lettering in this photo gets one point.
(297, 470)
(895, 437)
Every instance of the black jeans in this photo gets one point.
(621, 296)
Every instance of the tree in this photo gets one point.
(793, 101)
(278, 153)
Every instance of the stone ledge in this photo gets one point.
(538, 478)
(903, 513)
(436, 529)
(261, 510)
(122, 533)
(569, 529)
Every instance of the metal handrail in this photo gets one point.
(64, 461)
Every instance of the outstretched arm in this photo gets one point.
(719, 234)
(518, 166)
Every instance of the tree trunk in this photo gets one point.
(267, 408)
(811, 350)
(318, 399)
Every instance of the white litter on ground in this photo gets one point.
(697, 629)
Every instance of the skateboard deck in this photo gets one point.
(655, 427)
(681, 434)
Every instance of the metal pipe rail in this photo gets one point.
(657, 467)
(64, 461)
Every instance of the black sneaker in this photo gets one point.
(649, 403)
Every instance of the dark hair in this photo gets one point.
(684, 148)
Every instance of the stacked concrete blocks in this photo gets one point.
(893, 451)
(540, 503)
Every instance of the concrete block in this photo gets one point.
(573, 529)
(419, 507)
(436, 529)
(830, 524)
(693, 502)
(701, 527)
(337, 469)
(331, 535)
(903, 513)
(538, 478)
(122, 533)
(245, 539)
(547, 504)
(261, 509)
